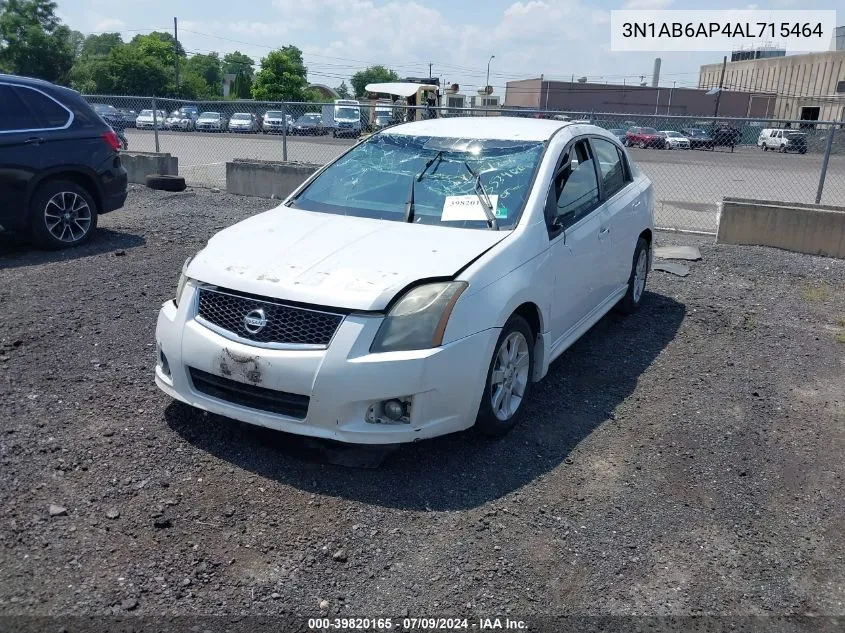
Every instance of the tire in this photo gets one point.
(55, 199)
(166, 183)
(492, 420)
(764, 148)
(642, 145)
(634, 296)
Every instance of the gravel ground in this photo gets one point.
(683, 461)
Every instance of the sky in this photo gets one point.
(560, 39)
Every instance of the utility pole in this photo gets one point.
(721, 83)
(176, 53)
(668, 107)
(429, 70)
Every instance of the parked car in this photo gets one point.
(113, 119)
(183, 119)
(211, 122)
(275, 122)
(675, 140)
(128, 116)
(310, 123)
(110, 115)
(783, 140)
(383, 303)
(644, 137)
(619, 133)
(59, 163)
(146, 119)
(244, 122)
(698, 138)
(726, 136)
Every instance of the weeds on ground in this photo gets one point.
(816, 293)
(840, 337)
(749, 322)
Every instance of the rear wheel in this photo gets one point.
(508, 379)
(62, 214)
(642, 145)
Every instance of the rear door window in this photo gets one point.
(50, 113)
(16, 115)
(611, 166)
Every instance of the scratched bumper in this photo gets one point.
(342, 382)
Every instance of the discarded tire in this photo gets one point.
(166, 183)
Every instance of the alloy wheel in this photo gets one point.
(640, 275)
(67, 216)
(509, 377)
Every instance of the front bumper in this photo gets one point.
(444, 384)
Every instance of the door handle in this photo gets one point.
(637, 203)
(603, 232)
(35, 140)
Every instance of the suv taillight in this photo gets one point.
(111, 139)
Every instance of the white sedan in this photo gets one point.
(675, 140)
(416, 286)
(146, 119)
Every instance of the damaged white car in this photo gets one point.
(416, 286)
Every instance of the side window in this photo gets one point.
(611, 166)
(16, 115)
(576, 187)
(49, 113)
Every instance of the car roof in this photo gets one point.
(26, 81)
(503, 128)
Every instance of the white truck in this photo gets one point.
(343, 117)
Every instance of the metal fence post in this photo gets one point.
(825, 160)
(284, 132)
(155, 123)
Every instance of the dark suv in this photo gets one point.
(59, 163)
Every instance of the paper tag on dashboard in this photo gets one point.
(462, 208)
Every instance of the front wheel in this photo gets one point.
(642, 145)
(508, 379)
(636, 281)
(62, 214)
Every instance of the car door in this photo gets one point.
(622, 200)
(20, 156)
(578, 235)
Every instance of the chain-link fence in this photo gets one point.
(694, 162)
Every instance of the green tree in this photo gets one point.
(237, 62)
(343, 91)
(282, 76)
(371, 75)
(241, 87)
(33, 41)
(101, 44)
(130, 73)
(156, 45)
(207, 68)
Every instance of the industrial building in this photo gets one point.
(574, 96)
(809, 86)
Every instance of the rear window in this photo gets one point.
(16, 116)
(49, 112)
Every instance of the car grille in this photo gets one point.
(280, 402)
(285, 324)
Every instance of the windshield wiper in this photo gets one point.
(483, 198)
(409, 205)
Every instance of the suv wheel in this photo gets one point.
(62, 214)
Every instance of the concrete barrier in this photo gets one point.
(266, 179)
(139, 165)
(804, 228)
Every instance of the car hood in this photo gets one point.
(334, 260)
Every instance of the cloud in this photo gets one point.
(647, 4)
(109, 25)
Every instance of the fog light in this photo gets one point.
(393, 411)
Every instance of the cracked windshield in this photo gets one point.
(378, 178)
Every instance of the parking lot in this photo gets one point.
(686, 460)
(689, 184)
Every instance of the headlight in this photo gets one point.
(183, 279)
(418, 320)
